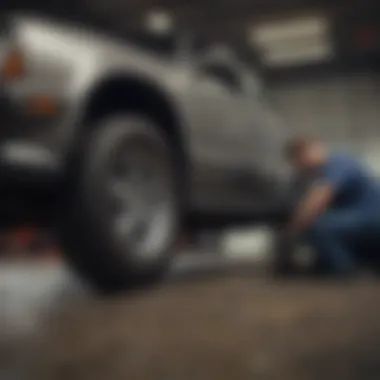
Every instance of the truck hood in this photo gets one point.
(77, 45)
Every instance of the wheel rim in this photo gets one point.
(141, 190)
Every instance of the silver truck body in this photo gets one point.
(231, 142)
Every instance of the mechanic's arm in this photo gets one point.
(333, 177)
(315, 202)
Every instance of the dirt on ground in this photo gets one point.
(230, 328)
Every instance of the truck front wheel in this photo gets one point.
(121, 216)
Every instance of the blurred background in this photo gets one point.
(317, 62)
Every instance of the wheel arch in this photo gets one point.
(127, 93)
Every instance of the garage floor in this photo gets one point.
(214, 327)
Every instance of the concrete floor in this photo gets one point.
(212, 327)
(32, 293)
(28, 290)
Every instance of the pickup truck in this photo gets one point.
(116, 148)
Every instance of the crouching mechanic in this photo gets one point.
(339, 208)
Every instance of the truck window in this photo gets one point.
(224, 74)
(164, 46)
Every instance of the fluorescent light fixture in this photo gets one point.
(297, 43)
(288, 57)
(292, 41)
(276, 31)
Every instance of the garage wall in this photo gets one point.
(343, 109)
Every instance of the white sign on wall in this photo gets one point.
(292, 41)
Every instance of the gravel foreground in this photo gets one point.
(230, 328)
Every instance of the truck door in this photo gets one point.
(217, 134)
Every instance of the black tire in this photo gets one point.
(89, 243)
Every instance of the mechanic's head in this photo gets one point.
(305, 153)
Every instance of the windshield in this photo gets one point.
(167, 45)
(170, 45)
(163, 45)
(232, 69)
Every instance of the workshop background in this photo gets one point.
(318, 64)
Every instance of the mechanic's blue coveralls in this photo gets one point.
(353, 214)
